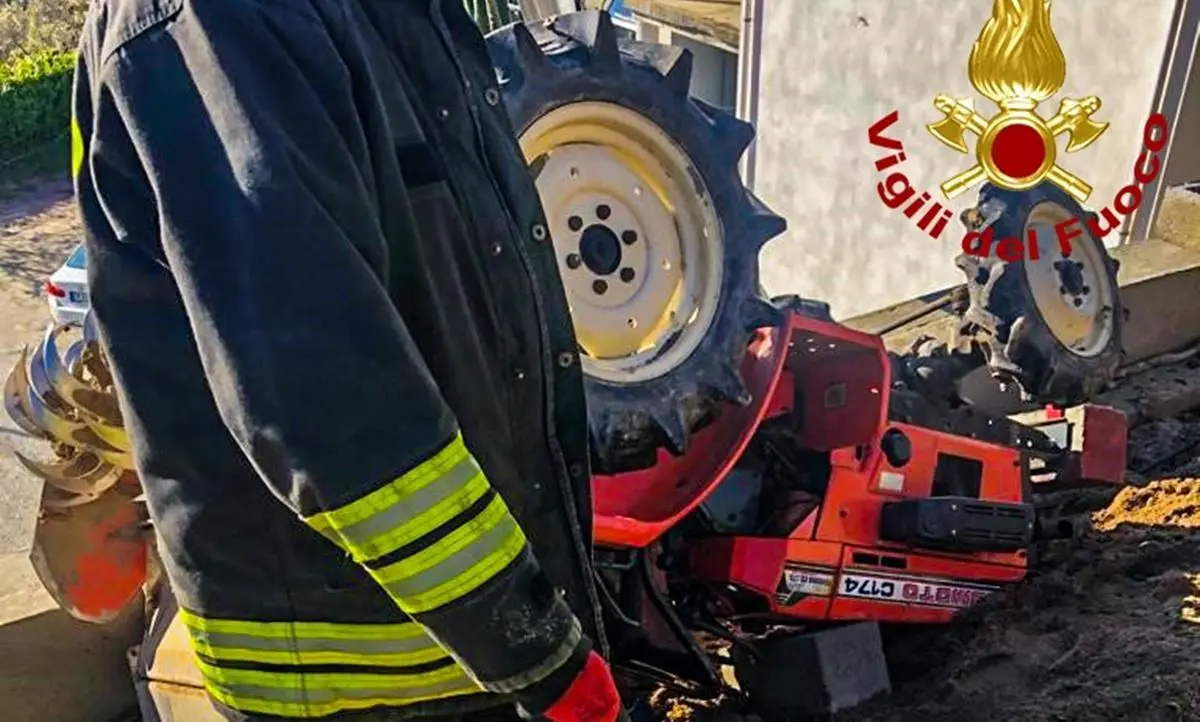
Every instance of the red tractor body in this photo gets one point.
(880, 519)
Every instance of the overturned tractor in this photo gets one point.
(761, 472)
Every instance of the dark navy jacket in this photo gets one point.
(317, 261)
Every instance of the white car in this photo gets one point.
(67, 289)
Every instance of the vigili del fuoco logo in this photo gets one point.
(1017, 63)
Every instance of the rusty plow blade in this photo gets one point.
(65, 377)
(93, 556)
(50, 412)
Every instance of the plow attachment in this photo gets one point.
(91, 547)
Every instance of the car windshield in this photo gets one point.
(78, 258)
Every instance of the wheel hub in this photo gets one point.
(635, 234)
(600, 249)
(1071, 291)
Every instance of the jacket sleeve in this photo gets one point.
(243, 125)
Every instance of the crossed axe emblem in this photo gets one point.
(1016, 130)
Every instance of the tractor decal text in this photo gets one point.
(800, 581)
(895, 190)
(911, 590)
(809, 581)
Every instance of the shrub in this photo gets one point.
(35, 92)
(29, 26)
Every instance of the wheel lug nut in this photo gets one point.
(629, 237)
(603, 212)
(574, 223)
(600, 287)
(574, 261)
(627, 274)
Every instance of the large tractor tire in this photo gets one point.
(656, 237)
(1051, 324)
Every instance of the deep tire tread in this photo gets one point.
(1003, 316)
(579, 58)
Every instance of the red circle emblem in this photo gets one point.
(1018, 151)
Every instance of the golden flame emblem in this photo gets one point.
(1017, 63)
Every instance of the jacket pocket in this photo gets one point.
(420, 165)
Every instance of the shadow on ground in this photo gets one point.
(57, 668)
(38, 228)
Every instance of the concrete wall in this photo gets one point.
(829, 69)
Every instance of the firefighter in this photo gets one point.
(323, 278)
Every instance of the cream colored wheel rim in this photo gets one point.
(1072, 294)
(638, 242)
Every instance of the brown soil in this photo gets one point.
(1107, 630)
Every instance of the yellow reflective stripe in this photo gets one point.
(285, 630)
(408, 508)
(76, 148)
(422, 502)
(403, 644)
(458, 564)
(382, 499)
(423, 510)
(322, 527)
(321, 694)
(252, 653)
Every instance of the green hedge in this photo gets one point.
(35, 101)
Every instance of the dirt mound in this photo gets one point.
(1108, 629)
(1173, 503)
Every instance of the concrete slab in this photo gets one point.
(1156, 278)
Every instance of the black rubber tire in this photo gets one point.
(577, 57)
(1004, 317)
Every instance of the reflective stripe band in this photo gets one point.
(458, 564)
(399, 645)
(321, 694)
(409, 507)
(426, 533)
(419, 513)
(381, 500)
(76, 148)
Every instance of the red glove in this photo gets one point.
(592, 697)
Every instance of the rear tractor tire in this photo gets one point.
(1051, 325)
(656, 238)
